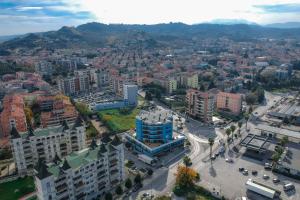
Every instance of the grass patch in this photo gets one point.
(118, 121)
(16, 189)
(194, 193)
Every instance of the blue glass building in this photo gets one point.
(154, 132)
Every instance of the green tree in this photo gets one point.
(251, 99)
(232, 128)
(275, 158)
(187, 161)
(284, 140)
(228, 132)
(108, 196)
(148, 96)
(247, 118)
(119, 190)
(211, 142)
(240, 126)
(150, 172)
(128, 183)
(138, 179)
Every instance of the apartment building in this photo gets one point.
(45, 143)
(200, 105)
(44, 68)
(86, 174)
(101, 77)
(229, 102)
(74, 85)
(13, 114)
(188, 80)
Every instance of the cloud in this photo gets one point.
(28, 8)
(280, 8)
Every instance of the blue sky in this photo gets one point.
(23, 16)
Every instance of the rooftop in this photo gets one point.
(156, 115)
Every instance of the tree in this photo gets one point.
(247, 118)
(138, 179)
(119, 190)
(251, 99)
(240, 126)
(150, 172)
(275, 158)
(228, 132)
(128, 183)
(185, 177)
(148, 96)
(232, 128)
(187, 161)
(284, 140)
(211, 142)
(108, 196)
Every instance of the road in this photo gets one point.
(163, 179)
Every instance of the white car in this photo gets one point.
(229, 160)
(265, 176)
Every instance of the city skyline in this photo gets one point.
(19, 17)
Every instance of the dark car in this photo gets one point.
(254, 172)
(241, 169)
(276, 180)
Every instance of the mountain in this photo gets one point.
(284, 25)
(4, 38)
(141, 36)
(231, 21)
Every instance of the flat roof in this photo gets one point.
(156, 115)
(255, 142)
(261, 187)
(280, 131)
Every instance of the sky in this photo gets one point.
(24, 16)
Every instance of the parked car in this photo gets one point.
(213, 157)
(276, 180)
(254, 172)
(245, 172)
(229, 160)
(268, 166)
(241, 169)
(265, 176)
(288, 186)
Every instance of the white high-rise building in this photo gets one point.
(130, 94)
(45, 144)
(86, 174)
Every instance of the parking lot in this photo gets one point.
(231, 182)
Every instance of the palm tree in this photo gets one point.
(275, 158)
(228, 132)
(232, 128)
(211, 142)
(247, 118)
(284, 140)
(187, 161)
(240, 126)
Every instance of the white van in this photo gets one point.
(288, 186)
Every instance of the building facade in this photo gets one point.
(229, 102)
(13, 114)
(200, 105)
(45, 143)
(86, 174)
(154, 133)
(130, 94)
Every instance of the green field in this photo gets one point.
(116, 121)
(16, 189)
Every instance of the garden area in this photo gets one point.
(119, 120)
(16, 189)
(123, 119)
(186, 179)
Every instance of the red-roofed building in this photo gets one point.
(13, 115)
